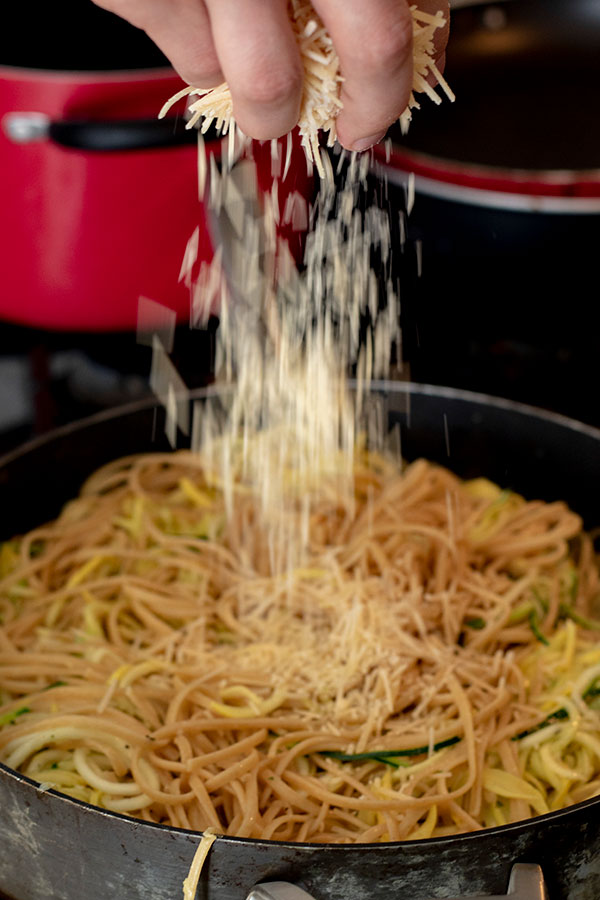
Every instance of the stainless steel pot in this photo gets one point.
(54, 847)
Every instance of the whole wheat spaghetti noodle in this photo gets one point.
(432, 668)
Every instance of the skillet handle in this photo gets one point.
(526, 883)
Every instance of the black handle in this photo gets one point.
(119, 135)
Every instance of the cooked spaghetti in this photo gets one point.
(432, 668)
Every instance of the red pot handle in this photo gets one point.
(100, 136)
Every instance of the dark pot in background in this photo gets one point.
(506, 220)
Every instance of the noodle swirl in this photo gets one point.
(431, 667)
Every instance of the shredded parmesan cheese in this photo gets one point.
(321, 102)
(287, 340)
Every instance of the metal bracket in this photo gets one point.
(526, 883)
(25, 127)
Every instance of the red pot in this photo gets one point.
(99, 197)
(85, 233)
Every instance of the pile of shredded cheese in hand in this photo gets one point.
(321, 102)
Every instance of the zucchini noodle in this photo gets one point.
(432, 667)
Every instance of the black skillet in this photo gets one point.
(52, 846)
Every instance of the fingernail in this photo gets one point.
(368, 142)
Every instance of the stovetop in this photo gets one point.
(48, 380)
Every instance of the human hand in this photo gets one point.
(251, 45)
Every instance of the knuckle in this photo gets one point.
(271, 85)
(389, 45)
(203, 73)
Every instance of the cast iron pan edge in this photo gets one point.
(539, 453)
